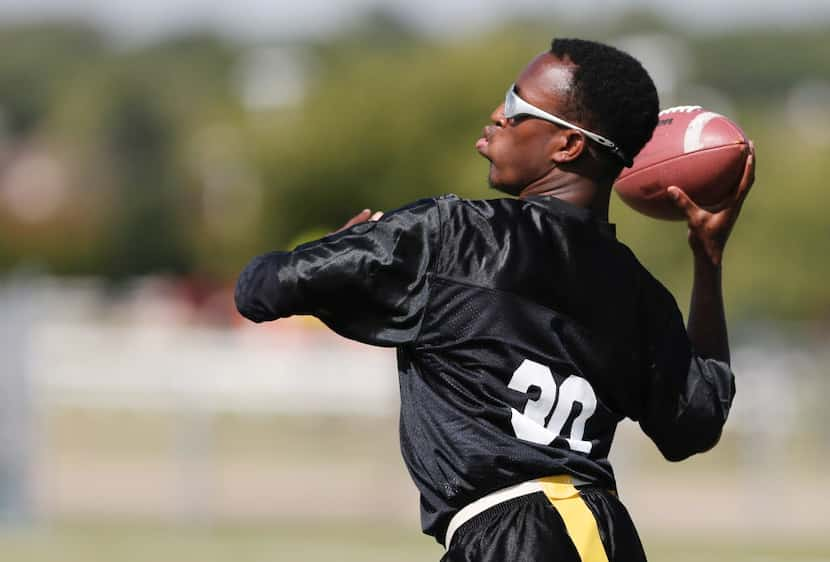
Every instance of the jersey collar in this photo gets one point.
(561, 207)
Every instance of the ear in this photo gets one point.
(568, 146)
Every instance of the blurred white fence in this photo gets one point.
(141, 354)
(85, 350)
(173, 368)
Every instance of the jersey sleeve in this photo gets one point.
(684, 398)
(368, 282)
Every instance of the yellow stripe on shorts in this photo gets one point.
(579, 521)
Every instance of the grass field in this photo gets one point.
(310, 542)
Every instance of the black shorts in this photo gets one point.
(589, 525)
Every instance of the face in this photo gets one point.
(520, 150)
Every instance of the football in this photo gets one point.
(701, 152)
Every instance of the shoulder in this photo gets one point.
(482, 208)
(476, 218)
(420, 206)
(422, 214)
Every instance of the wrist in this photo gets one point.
(706, 259)
(706, 269)
(707, 253)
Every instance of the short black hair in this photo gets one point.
(612, 93)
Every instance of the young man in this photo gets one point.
(525, 331)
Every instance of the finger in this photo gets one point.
(376, 216)
(681, 200)
(749, 168)
(748, 177)
(362, 216)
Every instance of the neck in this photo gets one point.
(575, 189)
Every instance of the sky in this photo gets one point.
(251, 19)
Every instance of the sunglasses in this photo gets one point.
(515, 106)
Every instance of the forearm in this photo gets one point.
(708, 233)
(707, 318)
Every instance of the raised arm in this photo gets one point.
(708, 233)
(688, 385)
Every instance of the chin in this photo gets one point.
(506, 188)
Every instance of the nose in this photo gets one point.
(497, 117)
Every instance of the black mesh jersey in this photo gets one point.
(525, 332)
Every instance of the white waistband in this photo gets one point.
(488, 501)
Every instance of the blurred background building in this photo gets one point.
(149, 149)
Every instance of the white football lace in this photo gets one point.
(681, 109)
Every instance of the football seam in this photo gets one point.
(633, 174)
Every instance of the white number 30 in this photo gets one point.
(553, 402)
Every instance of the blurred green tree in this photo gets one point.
(164, 153)
(146, 235)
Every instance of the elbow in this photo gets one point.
(673, 455)
(693, 441)
(244, 303)
(249, 296)
(697, 425)
(244, 306)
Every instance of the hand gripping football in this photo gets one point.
(701, 152)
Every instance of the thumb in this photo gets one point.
(681, 200)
